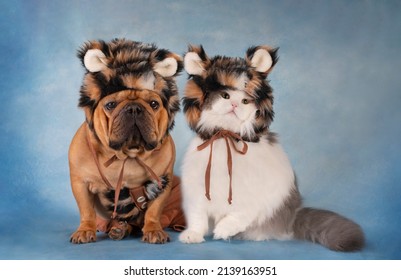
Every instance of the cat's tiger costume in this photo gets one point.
(236, 177)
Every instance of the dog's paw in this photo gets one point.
(83, 236)
(155, 237)
(119, 230)
(189, 236)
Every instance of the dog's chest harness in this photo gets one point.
(138, 193)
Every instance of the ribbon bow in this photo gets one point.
(228, 137)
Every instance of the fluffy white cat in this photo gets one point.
(237, 181)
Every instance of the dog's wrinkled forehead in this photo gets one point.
(142, 95)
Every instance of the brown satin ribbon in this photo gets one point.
(121, 176)
(228, 137)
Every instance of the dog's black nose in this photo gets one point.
(133, 109)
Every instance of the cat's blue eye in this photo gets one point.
(225, 95)
(245, 101)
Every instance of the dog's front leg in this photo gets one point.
(86, 231)
(152, 229)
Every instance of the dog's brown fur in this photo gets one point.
(122, 121)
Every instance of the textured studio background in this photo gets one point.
(337, 101)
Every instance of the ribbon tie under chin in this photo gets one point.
(228, 137)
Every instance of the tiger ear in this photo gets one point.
(262, 58)
(167, 67)
(95, 60)
(196, 60)
(166, 63)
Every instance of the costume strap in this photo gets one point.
(229, 137)
(121, 175)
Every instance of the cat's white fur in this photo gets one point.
(262, 179)
(230, 114)
(266, 203)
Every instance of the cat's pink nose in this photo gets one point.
(234, 104)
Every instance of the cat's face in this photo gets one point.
(229, 93)
(233, 105)
(232, 110)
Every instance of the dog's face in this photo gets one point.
(129, 93)
(131, 120)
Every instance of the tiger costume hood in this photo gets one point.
(124, 64)
(211, 76)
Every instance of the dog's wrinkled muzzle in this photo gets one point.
(132, 127)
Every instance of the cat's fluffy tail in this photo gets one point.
(329, 229)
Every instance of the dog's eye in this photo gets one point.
(225, 95)
(110, 105)
(154, 104)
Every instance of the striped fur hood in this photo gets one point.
(123, 64)
(210, 76)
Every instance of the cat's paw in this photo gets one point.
(189, 236)
(225, 231)
(221, 234)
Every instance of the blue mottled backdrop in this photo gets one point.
(337, 101)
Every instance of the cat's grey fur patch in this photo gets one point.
(329, 229)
